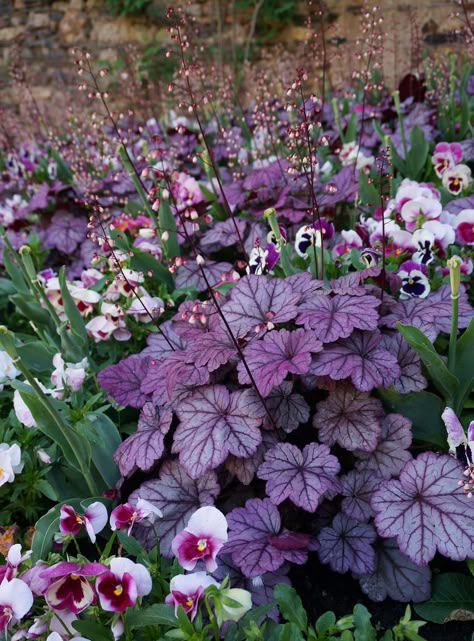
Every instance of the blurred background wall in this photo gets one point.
(36, 36)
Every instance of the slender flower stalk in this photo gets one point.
(454, 265)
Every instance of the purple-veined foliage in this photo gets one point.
(357, 488)
(164, 342)
(211, 350)
(341, 186)
(395, 576)
(431, 315)
(391, 453)
(280, 352)
(223, 234)
(246, 468)
(256, 301)
(171, 371)
(178, 496)
(287, 409)
(66, 231)
(350, 418)
(426, 510)
(333, 317)
(411, 378)
(352, 284)
(123, 381)
(302, 476)
(347, 545)
(306, 286)
(257, 542)
(145, 447)
(195, 318)
(458, 204)
(214, 423)
(190, 274)
(360, 358)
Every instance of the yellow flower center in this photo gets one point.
(118, 590)
(188, 603)
(74, 577)
(201, 545)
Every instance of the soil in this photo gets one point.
(322, 590)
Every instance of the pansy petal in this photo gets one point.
(210, 521)
(96, 513)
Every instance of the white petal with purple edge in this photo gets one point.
(210, 521)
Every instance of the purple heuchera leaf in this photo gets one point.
(164, 342)
(124, 379)
(350, 418)
(190, 274)
(427, 510)
(303, 477)
(278, 353)
(195, 318)
(333, 317)
(357, 487)
(347, 545)
(178, 496)
(256, 541)
(391, 453)
(66, 231)
(395, 576)
(352, 284)
(359, 357)
(172, 371)
(214, 423)
(411, 379)
(211, 350)
(144, 448)
(431, 315)
(223, 234)
(286, 408)
(306, 286)
(256, 301)
(246, 468)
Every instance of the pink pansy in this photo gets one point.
(14, 559)
(416, 212)
(84, 298)
(100, 328)
(203, 538)
(16, 599)
(457, 178)
(94, 519)
(71, 375)
(186, 192)
(90, 277)
(456, 434)
(412, 190)
(464, 226)
(55, 636)
(186, 590)
(128, 280)
(22, 410)
(120, 587)
(445, 156)
(443, 233)
(126, 515)
(69, 589)
(146, 308)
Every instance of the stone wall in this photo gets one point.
(43, 32)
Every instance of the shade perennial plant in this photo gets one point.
(269, 315)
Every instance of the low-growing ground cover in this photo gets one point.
(238, 342)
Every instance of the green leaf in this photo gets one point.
(363, 628)
(7, 288)
(470, 565)
(76, 322)
(45, 529)
(286, 264)
(93, 630)
(130, 544)
(437, 370)
(27, 305)
(452, 599)
(184, 622)
(142, 262)
(368, 193)
(15, 273)
(168, 223)
(325, 622)
(424, 410)
(351, 129)
(290, 632)
(398, 161)
(290, 605)
(104, 437)
(36, 356)
(157, 614)
(417, 154)
(464, 369)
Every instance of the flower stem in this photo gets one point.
(454, 334)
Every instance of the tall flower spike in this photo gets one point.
(203, 538)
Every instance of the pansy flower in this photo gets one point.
(457, 179)
(424, 241)
(203, 538)
(126, 515)
(16, 600)
(186, 590)
(415, 283)
(416, 212)
(464, 226)
(69, 588)
(119, 587)
(461, 446)
(262, 260)
(313, 234)
(445, 156)
(94, 519)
